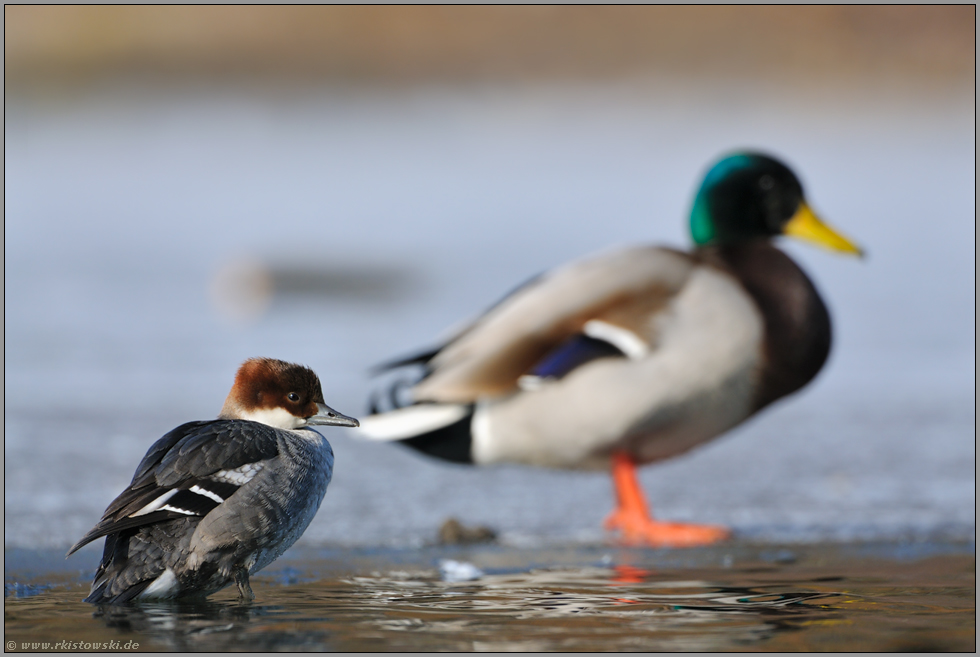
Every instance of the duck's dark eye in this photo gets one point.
(766, 182)
(293, 397)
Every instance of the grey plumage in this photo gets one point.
(250, 528)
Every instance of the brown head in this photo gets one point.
(279, 394)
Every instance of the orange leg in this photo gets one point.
(632, 515)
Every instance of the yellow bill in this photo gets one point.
(806, 226)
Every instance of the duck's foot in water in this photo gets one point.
(640, 529)
(244, 590)
(632, 515)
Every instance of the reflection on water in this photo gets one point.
(212, 626)
(587, 608)
(622, 607)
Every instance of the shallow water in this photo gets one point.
(599, 598)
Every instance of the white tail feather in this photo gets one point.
(411, 421)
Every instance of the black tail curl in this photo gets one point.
(394, 393)
(449, 443)
(392, 396)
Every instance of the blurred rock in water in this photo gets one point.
(453, 532)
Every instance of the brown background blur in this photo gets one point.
(931, 47)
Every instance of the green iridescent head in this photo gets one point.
(744, 196)
(750, 196)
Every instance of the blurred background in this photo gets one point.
(187, 187)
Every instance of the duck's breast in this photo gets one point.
(270, 512)
(797, 323)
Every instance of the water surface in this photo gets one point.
(870, 597)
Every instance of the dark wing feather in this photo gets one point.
(164, 445)
(208, 450)
(184, 458)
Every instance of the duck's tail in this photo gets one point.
(440, 430)
(136, 562)
(437, 429)
(116, 584)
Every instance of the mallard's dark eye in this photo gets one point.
(766, 182)
(293, 397)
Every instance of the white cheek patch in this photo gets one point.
(239, 476)
(275, 417)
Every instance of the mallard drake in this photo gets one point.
(634, 355)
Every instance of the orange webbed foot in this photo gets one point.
(639, 529)
(632, 516)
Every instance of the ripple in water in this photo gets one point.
(807, 604)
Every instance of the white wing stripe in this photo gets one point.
(155, 504)
(167, 507)
(206, 493)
